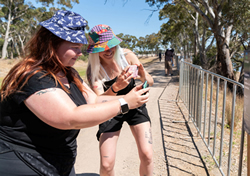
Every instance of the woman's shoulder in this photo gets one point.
(40, 78)
(126, 51)
(130, 56)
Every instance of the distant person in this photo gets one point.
(106, 61)
(169, 54)
(160, 56)
(44, 102)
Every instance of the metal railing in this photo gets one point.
(208, 109)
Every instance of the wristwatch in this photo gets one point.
(124, 106)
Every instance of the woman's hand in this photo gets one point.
(141, 73)
(122, 80)
(135, 98)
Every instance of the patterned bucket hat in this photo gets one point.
(102, 38)
(67, 25)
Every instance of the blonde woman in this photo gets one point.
(108, 74)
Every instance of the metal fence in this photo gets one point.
(216, 110)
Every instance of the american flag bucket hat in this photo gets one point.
(67, 25)
(102, 38)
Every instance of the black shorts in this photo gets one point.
(133, 117)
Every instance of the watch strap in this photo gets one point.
(124, 106)
(122, 101)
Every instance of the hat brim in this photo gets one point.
(100, 47)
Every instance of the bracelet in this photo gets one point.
(113, 89)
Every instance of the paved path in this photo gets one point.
(175, 145)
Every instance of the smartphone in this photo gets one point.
(134, 70)
(145, 85)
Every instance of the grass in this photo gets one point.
(1, 79)
(239, 103)
(81, 65)
(82, 72)
(237, 126)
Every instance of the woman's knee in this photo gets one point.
(147, 156)
(107, 164)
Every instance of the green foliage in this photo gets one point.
(66, 3)
(1, 42)
(24, 19)
(189, 23)
(83, 57)
(128, 41)
(210, 55)
(196, 59)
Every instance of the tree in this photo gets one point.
(222, 18)
(152, 41)
(13, 16)
(11, 10)
(141, 44)
(128, 41)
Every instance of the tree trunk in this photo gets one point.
(21, 42)
(224, 63)
(16, 47)
(196, 50)
(6, 37)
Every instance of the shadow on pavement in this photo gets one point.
(180, 149)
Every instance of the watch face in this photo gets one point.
(124, 108)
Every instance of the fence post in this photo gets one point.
(200, 105)
(247, 103)
(248, 154)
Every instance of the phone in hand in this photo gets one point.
(134, 70)
(145, 85)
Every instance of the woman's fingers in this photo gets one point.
(125, 69)
(140, 90)
(127, 75)
(135, 97)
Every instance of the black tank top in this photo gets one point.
(124, 91)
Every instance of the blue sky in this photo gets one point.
(130, 18)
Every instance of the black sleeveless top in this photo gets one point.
(24, 132)
(124, 91)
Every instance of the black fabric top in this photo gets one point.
(26, 132)
(169, 54)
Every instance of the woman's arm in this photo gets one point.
(54, 107)
(143, 75)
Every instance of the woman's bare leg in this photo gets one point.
(143, 137)
(107, 146)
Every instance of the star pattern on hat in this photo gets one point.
(67, 25)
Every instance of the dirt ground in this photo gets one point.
(178, 150)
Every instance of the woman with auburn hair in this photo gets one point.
(44, 102)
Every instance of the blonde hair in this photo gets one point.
(97, 71)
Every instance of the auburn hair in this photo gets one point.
(39, 54)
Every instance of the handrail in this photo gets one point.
(193, 91)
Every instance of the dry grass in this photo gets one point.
(80, 66)
(239, 103)
(227, 126)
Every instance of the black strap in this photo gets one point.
(113, 89)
